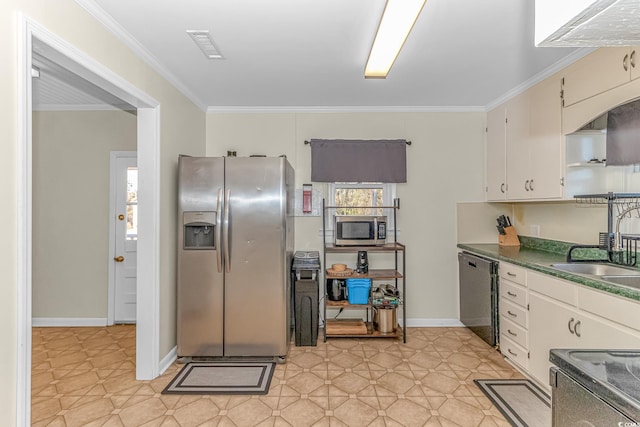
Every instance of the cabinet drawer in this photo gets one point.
(514, 352)
(513, 331)
(512, 272)
(513, 312)
(509, 291)
(552, 287)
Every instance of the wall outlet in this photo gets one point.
(534, 230)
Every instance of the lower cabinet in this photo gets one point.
(557, 324)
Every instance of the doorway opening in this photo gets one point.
(34, 38)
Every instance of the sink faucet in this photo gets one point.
(617, 245)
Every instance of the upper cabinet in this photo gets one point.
(529, 128)
(519, 173)
(598, 72)
(527, 135)
(546, 147)
(496, 152)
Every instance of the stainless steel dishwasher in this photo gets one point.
(479, 295)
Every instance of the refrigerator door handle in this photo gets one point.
(227, 262)
(218, 231)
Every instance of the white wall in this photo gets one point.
(71, 209)
(444, 166)
(182, 129)
(565, 221)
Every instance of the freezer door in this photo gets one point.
(200, 281)
(257, 273)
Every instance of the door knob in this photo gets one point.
(121, 217)
(119, 258)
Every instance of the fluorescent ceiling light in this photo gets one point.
(206, 44)
(395, 25)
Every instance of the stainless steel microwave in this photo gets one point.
(359, 230)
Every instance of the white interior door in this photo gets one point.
(125, 237)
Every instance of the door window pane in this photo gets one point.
(132, 203)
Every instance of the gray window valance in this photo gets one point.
(357, 160)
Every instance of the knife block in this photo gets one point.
(510, 238)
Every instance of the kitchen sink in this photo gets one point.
(630, 281)
(598, 269)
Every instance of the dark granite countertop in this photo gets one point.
(538, 255)
(612, 375)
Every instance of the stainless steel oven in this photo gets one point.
(595, 387)
(574, 405)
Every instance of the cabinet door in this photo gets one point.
(546, 141)
(496, 155)
(548, 328)
(517, 136)
(598, 72)
(634, 62)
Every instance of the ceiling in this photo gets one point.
(310, 54)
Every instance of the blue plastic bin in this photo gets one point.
(358, 291)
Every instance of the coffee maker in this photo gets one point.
(362, 265)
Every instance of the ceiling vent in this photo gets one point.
(206, 44)
(587, 23)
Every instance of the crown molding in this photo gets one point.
(124, 36)
(544, 74)
(347, 109)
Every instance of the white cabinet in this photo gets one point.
(518, 147)
(528, 128)
(598, 72)
(496, 152)
(546, 142)
(557, 320)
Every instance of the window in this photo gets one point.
(132, 203)
(356, 197)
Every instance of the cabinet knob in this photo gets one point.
(576, 330)
(570, 325)
(511, 314)
(511, 294)
(512, 333)
(625, 62)
(502, 188)
(526, 185)
(633, 59)
(531, 185)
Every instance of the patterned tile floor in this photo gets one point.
(86, 377)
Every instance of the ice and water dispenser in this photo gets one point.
(199, 230)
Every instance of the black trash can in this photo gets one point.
(305, 289)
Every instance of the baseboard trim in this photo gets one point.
(434, 323)
(168, 360)
(68, 321)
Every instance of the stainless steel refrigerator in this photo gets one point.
(235, 245)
